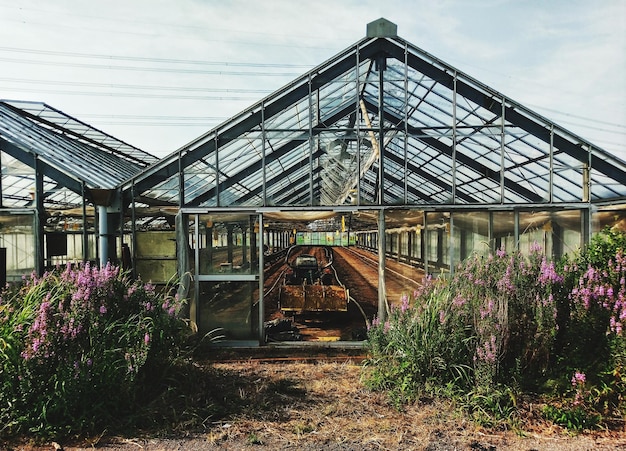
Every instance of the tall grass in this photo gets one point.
(75, 347)
(507, 323)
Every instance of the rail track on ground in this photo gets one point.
(355, 269)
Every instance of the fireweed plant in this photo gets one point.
(508, 323)
(76, 344)
(591, 339)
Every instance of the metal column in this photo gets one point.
(382, 298)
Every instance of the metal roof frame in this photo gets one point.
(443, 138)
(72, 157)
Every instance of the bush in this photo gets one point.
(494, 321)
(505, 323)
(417, 344)
(591, 336)
(76, 345)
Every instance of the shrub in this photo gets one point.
(507, 322)
(418, 344)
(494, 321)
(591, 336)
(509, 305)
(76, 346)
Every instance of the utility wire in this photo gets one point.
(151, 59)
(150, 69)
(139, 95)
(588, 119)
(137, 86)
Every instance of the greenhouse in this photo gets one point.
(383, 148)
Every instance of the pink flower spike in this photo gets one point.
(578, 378)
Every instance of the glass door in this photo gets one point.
(226, 264)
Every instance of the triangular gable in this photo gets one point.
(443, 138)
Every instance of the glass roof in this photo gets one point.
(385, 123)
(68, 153)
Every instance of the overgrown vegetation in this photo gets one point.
(84, 350)
(78, 348)
(506, 325)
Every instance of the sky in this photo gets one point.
(157, 74)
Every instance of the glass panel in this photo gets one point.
(609, 218)
(557, 233)
(228, 309)
(199, 181)
(568, 179)
(18, 183)
(404, 272)
(17, 237)
(470, 234)
(504, 231)
(566, 232)
(226, 293)
(228, 244)
(437, 241)
(288, 170)
(535, 231)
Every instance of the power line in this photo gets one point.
(117, 19)
(152, 69)
(151, 59)
(612, 124)
(139, 95)
(140, 116)
(136, 86)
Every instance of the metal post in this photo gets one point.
(490, 233)
(133, 231)
(358, 128)
(502, 148)
(516, 229)
(261, 283)
(39, 218)
(181, 181)
(85, 235)
(104, 235)
(263, 167)
(454, 140)
(381, 143)
(1, 194)
(451, 244)
(382, 298)
(217, 170)
(406, 124)
(310, 137)
(551, 174)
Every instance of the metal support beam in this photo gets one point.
(261, 330)
(381, 63)
(40, 216)
(85, 235)
(382, 298)
(103, 230)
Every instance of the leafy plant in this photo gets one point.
(491, 408)
(575, 418)
(418, 343)
(510, 322)
(76, 346)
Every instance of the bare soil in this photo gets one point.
(320, 404)
(358, 271)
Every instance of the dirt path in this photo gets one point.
(322, 406)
